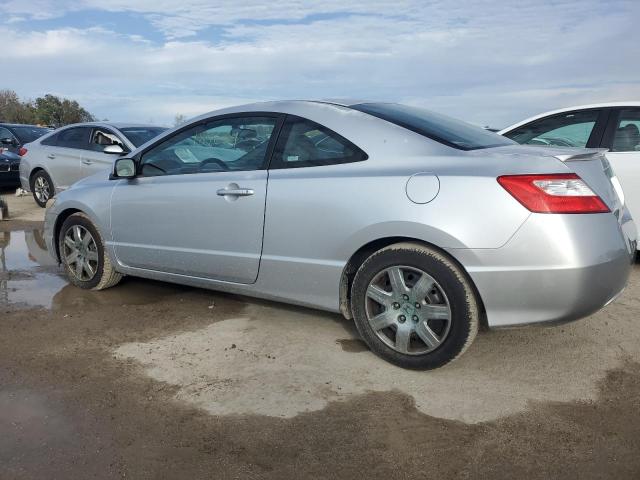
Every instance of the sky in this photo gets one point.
(486, 62)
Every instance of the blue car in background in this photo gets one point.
(13, 137)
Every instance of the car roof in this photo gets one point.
(282, 106)
(117, 125)
(632, 103)
(9, 125)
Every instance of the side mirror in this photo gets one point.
(124, 168)
(8, 141)
(114, 149)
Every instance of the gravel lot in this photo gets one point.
(152, 380)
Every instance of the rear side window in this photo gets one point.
(627, 135)
(50, 141)
(304, 143)
(446, 130)
(571, 129)
(77, 137)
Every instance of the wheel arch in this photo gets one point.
(35, 170)
(365, 251)
(60, 219)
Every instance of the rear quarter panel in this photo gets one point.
(318, 217)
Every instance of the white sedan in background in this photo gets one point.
(55, 161)
(614, 126)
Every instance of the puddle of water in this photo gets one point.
(31, 426)
(30, 277)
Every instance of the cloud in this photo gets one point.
(483, 61)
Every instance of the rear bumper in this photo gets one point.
(556, 268)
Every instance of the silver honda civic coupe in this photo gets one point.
(418, 226)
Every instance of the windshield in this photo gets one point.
(140, 135)
(27, 134)
(443, 129)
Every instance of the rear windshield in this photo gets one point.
(443, 129)
(28, 134)
(140, 135)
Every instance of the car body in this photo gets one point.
(340, 190)
(77, 151)
(13, 137)
(614, 126)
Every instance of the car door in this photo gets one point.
(622, 138)
(197, 205)
(93, 157)
(64, 159)
(578, 128)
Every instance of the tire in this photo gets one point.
(42, 188)
(432, 324)
(96, 271)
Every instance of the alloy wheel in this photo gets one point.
(80, 253)
(408, 310)
(42, 189)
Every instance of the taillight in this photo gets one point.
(553, 193)
(22, 152)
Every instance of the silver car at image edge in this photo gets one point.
(418, 226)
(50, 164)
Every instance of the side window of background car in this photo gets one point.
(230, 144)
(5, 133)
(304, 143)
(571, 129)
(101, 138)
(626, 137)
(73, 138)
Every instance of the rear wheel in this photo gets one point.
(42, 188)
(82, 252)
(414, 307)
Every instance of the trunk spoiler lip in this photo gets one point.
(588, 154)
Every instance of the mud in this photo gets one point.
(136, 383)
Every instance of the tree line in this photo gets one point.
(48, 110)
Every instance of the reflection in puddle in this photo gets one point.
(30, 277)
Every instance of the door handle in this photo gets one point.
(87, 162)
(235, 192)
(51, 155)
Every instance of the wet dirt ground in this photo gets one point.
(152, 380)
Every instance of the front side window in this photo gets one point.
(304, 143)
(101, 138)
(571, 129)
(446, 130)
(230, 144)
(76, 137)
(627, 135)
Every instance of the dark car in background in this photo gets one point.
(13, 137)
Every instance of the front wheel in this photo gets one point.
(414, 307)
(83, 257)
